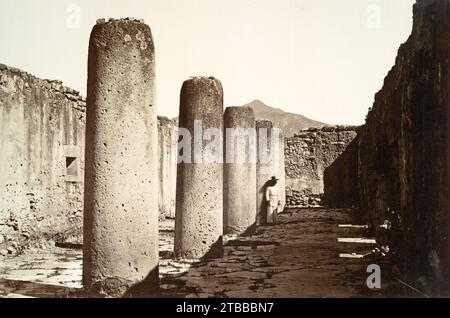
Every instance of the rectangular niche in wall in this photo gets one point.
(72, 163)
(72, 166)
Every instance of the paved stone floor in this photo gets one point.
(299, 257)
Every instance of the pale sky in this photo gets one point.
(324, 59)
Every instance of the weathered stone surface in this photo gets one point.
(167, 166)
(42, 140)
(341, 179)
(239, 198)
(199, 206)
(304, 263)
(404, 154)
(281, 173)
(121, 196)
(264, 167)
(308, 154)
(42, 158)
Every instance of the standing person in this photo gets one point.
(272, 198)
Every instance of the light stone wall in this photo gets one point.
(42, 127)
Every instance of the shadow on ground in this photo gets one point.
(298, 257)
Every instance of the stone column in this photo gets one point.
(167, 166)
(199, 206)
(120, 252)
(281, 175)
(239, 198)
(264, 167)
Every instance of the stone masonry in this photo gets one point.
(404, 166)
(43, 174)
(402, 157)
(393, 172)
(308, 154)
(341, 179)
(42, 127)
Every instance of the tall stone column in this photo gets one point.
(281, 175)
(167, 166)
(264, 167)
(239, 171)
(120, 253)
(199, 206)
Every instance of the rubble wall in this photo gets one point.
(307, 155)
(42, 131)
(42, 159)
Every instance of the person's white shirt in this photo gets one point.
(272, 196)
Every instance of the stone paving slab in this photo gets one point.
(299, 257)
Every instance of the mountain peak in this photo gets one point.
(257, 101)
(256, 104)
(259, 105)
(289, 123)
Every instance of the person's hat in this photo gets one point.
(274, 178)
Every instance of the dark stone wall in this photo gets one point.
(404, 157)
(397, 169)
(341, 179)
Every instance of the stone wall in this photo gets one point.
(404, 154)
(42, 129)
(308, 154)
(41, 162)
(341, 179)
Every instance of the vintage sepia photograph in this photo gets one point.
(251, 150)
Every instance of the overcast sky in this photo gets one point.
(321, 58)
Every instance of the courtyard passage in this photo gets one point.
(310, 253)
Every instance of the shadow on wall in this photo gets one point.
(341, 179)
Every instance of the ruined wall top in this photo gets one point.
(112, 20)
(326, 129)
(426, 3)
(54, 86)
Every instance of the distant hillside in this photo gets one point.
(290, 123)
